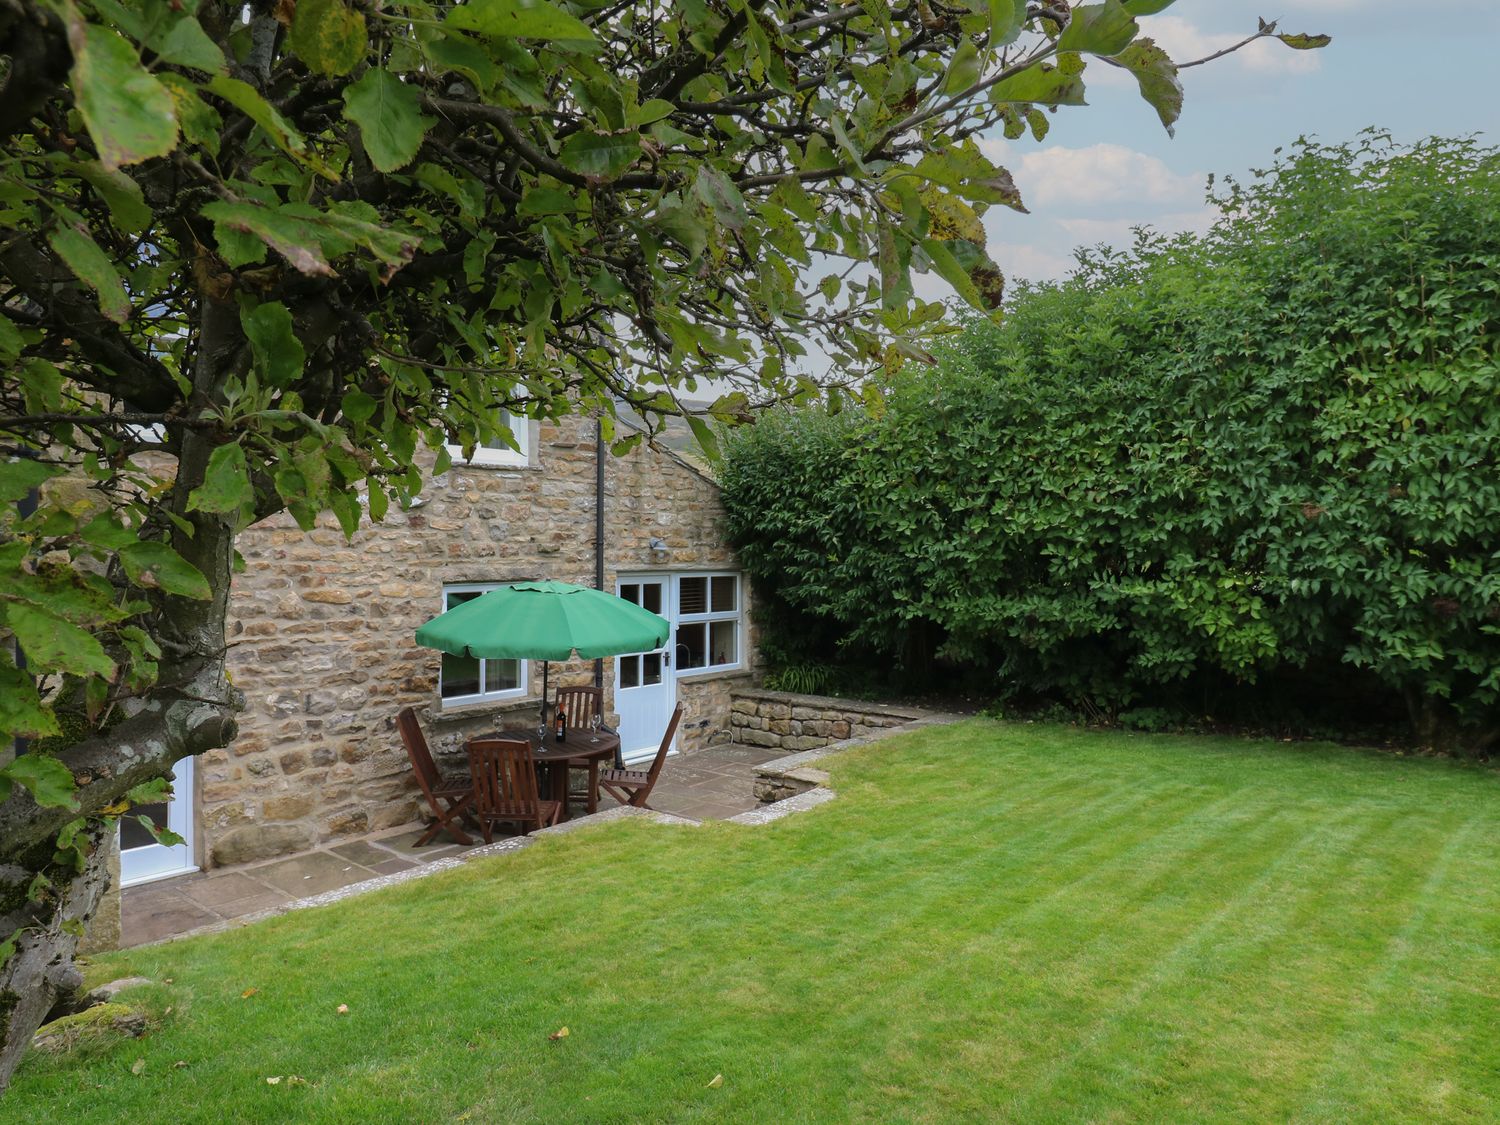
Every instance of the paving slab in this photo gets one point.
(311, 873)
(364, 852)
(252, 904)
(214, 890)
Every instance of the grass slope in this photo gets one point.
(991, 922)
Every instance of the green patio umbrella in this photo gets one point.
(544, 621)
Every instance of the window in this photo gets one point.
(470, 679)
(708, 622)
(495, 452)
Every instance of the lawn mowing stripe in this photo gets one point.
(1357, 1032)
(1175, 960)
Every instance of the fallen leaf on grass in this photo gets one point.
(249, 992)
(179, 1064)
(560, 1033)
(343, 1009)
(166, 980)
(137, 1066)
(167, 1011)
(296, 1080)
(274, 1080)
(716, 1081)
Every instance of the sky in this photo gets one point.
(1415, 69)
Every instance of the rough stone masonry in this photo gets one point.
(322, 633)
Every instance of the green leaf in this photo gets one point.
(277, 352)
(604, 155)
(328, 36)
(76, 247)
(19, 477)
(462, 56)
(716, 189)
(513, 19)
(153, 565)
(359, 407)
(1306, 42)
(686, 225)
(549, 201)
(293, 237)
(55, 644)
(1041, 84)
(963, 71)
(187, 44)
(1007, 17)
(105, 530)
(1098, 29)
(21, 712)
(248, 101)
(1156, 75)
(388, 114)
(200, 122)
(708, 441)
(49, 781)
(121, 194)
(226, 483)
(949, 270)
(653, 111)
(128, 113)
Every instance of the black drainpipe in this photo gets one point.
(598, 527)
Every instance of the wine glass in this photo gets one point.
(596, 721)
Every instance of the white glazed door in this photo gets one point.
(142, 859)
(644, 687)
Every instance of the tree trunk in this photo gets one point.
(190, 710)
(41, 969)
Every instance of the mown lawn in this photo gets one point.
(991, 922)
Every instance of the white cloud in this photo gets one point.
(1117, 232)
(1185, 41)
(1102, 173)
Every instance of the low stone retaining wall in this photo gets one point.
(800, 775)
(795, 723)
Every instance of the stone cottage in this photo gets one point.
(322, 635)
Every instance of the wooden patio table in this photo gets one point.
(583, 747)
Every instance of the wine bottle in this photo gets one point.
(562, 725)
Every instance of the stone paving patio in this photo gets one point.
(712, 784)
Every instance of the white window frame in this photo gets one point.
(519, 458)
(680, 619)
(446, 701)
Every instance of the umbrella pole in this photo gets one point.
(544, 693)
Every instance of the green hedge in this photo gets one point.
(1266, 455)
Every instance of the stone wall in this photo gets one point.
(794, 723)
(322, 633)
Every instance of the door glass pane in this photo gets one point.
(631, 592)
(725, 599)
(692, 596)
(723, 642)
(133, 833)
(651, 668)
(460, 675)
(692, 652)
(651, 596)
(630, 671)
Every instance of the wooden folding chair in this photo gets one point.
(505, 787)
(632, 787)
(454, 792)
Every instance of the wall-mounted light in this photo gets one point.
(658, 545)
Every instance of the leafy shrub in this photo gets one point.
(1262, 456)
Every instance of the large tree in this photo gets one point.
(275, 256)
